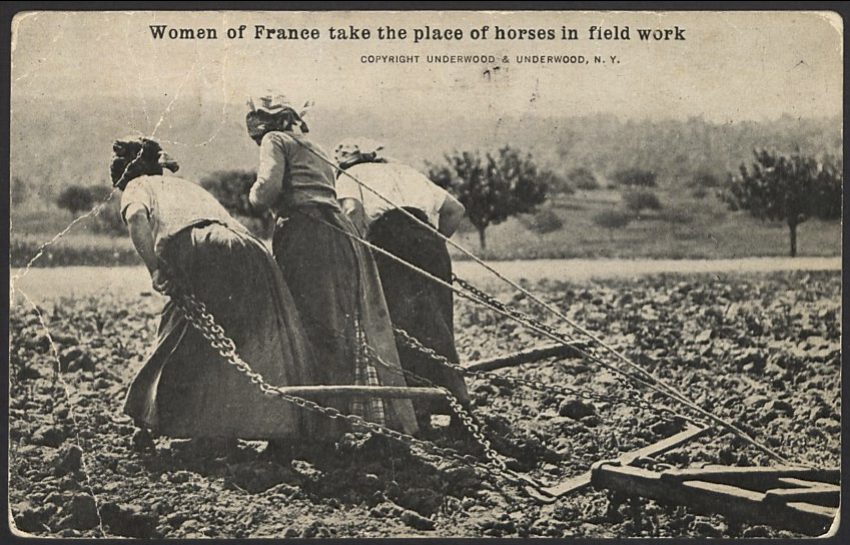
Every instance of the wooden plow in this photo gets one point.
(800, 499)
(395, 392)
(790, 498)
(384, 392)
(319, 392)
(532, 355)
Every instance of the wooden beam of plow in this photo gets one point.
(384, 392)
(574, 484)
(803, 511)
(532, 355)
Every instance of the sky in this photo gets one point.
(730, 66)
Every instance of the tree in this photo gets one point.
(231, 188)
(635, 177)
(75, 199)
(787, 188)
(612, 219)
(583, 178)
(492, 187)
(555, 184)
(638, 200)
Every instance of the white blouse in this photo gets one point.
(172, 204)
(403, 186)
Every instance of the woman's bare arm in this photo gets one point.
(451, 214)
(142, 236)
(267, 188)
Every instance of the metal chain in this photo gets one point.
(489, 299)
(412, 342)
(197, 314)
(586, 349)
(467, 419)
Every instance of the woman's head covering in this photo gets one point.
(136, 157)
(352, 151)
(273, 112)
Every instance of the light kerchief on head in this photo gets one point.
(273, 111)
(270, 102)
(352, 148)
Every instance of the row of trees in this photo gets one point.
(494, 186)
(789, 188)
(584, 178)
(676, 150)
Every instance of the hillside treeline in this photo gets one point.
(57, 143)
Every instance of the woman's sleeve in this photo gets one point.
(434, 196)
(269, 185)
(346, 188)
(136, 196)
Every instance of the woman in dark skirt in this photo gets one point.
(333, 278)
(419, 305)
(188, 241)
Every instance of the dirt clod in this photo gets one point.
(704, 335)
(80, 513)
(70, 459)
(575, 409)
(417, 521)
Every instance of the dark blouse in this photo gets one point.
(293, 172)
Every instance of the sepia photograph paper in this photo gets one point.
(425, 274)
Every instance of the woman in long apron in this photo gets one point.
(187, 241)
(419, 305)
(333, 278)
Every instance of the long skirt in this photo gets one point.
(337, 291)
(186, 388)
(419, 305)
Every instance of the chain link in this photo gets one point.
(492, 301)
(196, 313)
(467, 419)
(537, 385)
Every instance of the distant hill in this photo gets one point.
(54, 143)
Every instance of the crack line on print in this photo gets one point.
(23, 271)
(16, 27)
(189, 73)
(221, 125)
(57, 375)
(224, 105)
